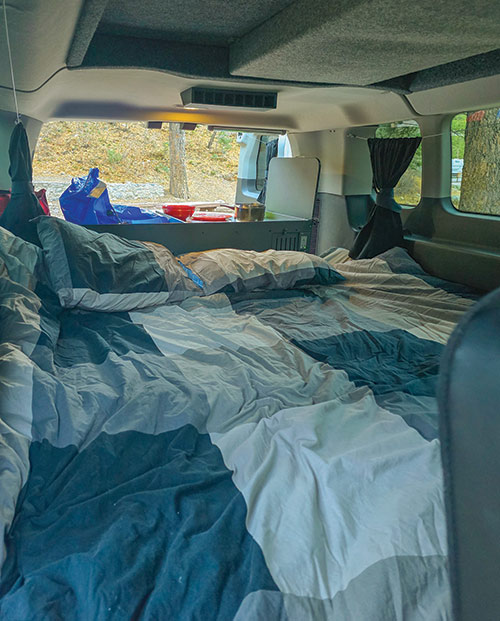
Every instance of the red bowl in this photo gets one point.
(179, 211)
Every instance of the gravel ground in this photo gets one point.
(151, 195)
(122, 193)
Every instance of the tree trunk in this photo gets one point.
(178, 172)
(480, 191)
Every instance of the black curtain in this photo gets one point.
(23, 205)
(271, 151)
(390, 157)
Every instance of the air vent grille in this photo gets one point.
(291, 241)
(259, 100)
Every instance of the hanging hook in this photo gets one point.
(7, 38)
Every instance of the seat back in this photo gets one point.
(469, 401)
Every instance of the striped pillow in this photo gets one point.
(229, 270)
(101, 271)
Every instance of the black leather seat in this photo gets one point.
(469, 401)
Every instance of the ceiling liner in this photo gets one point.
(203, 22)
(398, 45)
(365, 41)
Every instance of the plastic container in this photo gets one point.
(211, 216)
(182, 212)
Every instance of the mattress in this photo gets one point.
(260, 455)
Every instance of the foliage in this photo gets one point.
(225, 140)
(163, 169)
(458, 126)
(114, 157)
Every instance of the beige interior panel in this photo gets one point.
(291, 185)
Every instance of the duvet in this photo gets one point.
(260, 455)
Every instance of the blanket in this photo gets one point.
(263, 455)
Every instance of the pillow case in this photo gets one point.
(101, 271)
(229, 270)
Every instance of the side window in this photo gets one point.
(475, 164)
(408, 190)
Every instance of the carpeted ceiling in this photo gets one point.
(396, 44)
(364, 41)
(209, 22)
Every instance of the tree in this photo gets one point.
(178, 172)
(480, 191)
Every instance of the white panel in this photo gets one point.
(291, 186)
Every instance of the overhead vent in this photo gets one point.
(199, 97)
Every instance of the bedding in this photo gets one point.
(229, 270)
(265, 454)
(100, 271)
(19, 260)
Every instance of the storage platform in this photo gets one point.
(277, 231)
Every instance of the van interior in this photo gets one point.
(284, 405)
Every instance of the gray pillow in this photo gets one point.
(100, 271)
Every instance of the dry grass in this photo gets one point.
(131, 152)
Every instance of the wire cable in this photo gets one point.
(349, 135)
(18, 118)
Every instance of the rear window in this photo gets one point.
(134, 161)
(475, 164)
(408, 189)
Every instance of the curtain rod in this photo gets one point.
(429, 136)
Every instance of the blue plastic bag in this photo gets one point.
(136, 215)
(86, 201)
